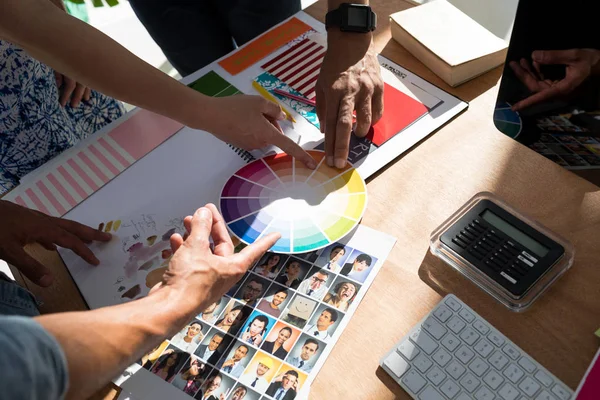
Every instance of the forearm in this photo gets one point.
(92, 58)
(99, 344)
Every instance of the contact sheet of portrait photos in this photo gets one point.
(270, 334)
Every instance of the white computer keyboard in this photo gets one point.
(455, 354)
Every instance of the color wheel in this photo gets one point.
(310, 208)
(507, 121)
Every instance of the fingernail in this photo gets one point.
(340, 163)
(330, 161)
(204, 213)
(312, 164)
(282, 116)
(45, 280)
(537, 55)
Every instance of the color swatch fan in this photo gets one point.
(310, 208)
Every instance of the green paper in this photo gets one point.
(598, 332)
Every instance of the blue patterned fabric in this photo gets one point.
(34, 127)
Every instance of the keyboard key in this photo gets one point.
(430, 394)
(545, 396)
(561, 392)
(498, 360)
(464, 354)
(450, 342)
(478, 366)
(456, 324)
(466, 315)
(529, 386)
(413, 381)
(435, 328)
(493, 379)
(442, 357)
(470, 383)
(496, 338)
(426, 343)
(508, 392)
(453, 304)
(450, 388)
(484, 348)
(469, 336)
(481, 327)
(513, 373)
(396, 364)
(408, 350)
(436, 376)
(463, 396)
(527, 364)
(483, 393)
(511, 351)
(544, 378)
(442, 313)
(455, 370)
(422, 363)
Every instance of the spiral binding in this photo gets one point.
(246, 156)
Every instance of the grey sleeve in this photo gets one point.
(32, 362)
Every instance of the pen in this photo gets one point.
(265, 93)
(294, 97)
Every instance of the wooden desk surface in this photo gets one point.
(409, 199)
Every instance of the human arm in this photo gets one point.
(195, 279)
(579, 64)
(350, 79)
(93, 59)
(21, 226)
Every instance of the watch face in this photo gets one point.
(358, 17)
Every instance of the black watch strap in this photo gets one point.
(341, 18)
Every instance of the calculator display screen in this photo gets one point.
(514, 233)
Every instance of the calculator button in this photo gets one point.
(478, 366)
(436, 376)
(442, 313)
(450, 342)
(561, 392)
(529, 386)
(468, 235)
(442, 357)
(529, 256)
(422, 363)
(455, 369)
(484, 394)
(472, 231)
(501, 258)
(464, 354)
(469, 382)
(427, 344)
(494, 239)
(511, 250)
(469, 336)
(496, 338)
(544, 378)
(453, 304)
(484, 348)
(498, 360)
(511, 351)
(527, 365)
(481, 327)
(485, 246)
(413, 381)
(493, 379)
(449, 388)
(508, 392)
(516, 268)
(494, 266)
(464, 238)
(524, 260)
(495, 261)
(459, 243)
(430, 394)
(467, 316)
(396, 364)
(408, 350)
(513, 373)
(456, 324)
(435, 328)
(508, 277)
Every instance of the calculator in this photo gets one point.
(500, 247)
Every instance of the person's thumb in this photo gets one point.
(31, 268)
(551, 57)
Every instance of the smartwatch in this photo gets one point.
(352, 18)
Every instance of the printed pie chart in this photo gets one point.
(507, 121)
(309, 208)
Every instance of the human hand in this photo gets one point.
(198, 276)
(350, 79)
(69, 89)
(250, 122)
(257, 340)
(229, 363)
(579, 63)
(245, 336)
(21, 226)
